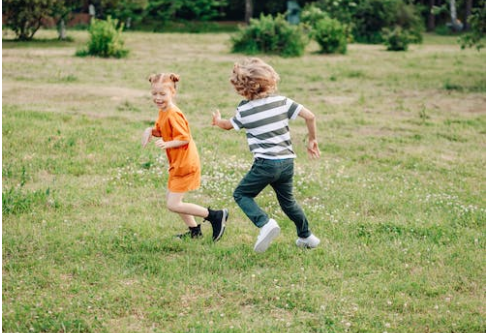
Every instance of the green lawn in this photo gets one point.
(397, 198)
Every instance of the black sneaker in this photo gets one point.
(194, 232)
(217, 218)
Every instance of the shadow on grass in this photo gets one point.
(42, 42)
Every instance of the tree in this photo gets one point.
(172, 10)
(61, 11)
(127, 12)
(468, 12)
(24, 17)
(431, 16)
(249, 10)
(455, 23)
(202, 10)
(476, 35)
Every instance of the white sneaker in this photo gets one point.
(267, 233)
(310, 242)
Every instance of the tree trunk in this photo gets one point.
(453, 12)
(431, 16)
(468, 12)
(62, 30)
(249, 9)
(456, 25)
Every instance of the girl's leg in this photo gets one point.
(189, 220)
(187, 211)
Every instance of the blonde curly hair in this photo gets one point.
(254, 79)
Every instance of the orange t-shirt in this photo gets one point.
(184, 161)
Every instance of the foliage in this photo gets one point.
(127, 12)
(24, 17)
(342, 10)
(396, 39)
(163, 10)
(366, 19)
(168, 10)
(105, 39)
(310, 16)
(331, 35)
(272, 36)
(373, 16)
(408, 19)
(476, 36)
(201, 10)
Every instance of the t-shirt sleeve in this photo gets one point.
(180, 127)
(156, 131)
(236, 123)
(294, 109)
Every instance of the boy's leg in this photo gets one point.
(249, 187)
(284, 191)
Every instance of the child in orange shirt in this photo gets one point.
(184, 164)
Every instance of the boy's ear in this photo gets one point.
(174, 77)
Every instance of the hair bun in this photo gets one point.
(174, 77)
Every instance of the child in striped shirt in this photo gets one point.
(265, 117)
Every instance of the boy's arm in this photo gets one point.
(222, 123)
(309, 117)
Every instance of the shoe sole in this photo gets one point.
(263, 245)
(224, 219)
(303, 245)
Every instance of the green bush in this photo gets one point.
(476, 35)
(366, 19)
(396, 39)
(311, 15)
(105, 40)
(270, 35)
(331, 35)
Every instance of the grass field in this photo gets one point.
(398, 196)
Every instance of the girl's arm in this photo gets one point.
(148, 134)
(222, 123)
(170, 144)
(309, 117)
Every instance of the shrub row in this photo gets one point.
(396, 27)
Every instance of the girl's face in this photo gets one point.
(162, 95)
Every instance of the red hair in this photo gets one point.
(165, 79)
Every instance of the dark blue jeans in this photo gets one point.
(278, 174)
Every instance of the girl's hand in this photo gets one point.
(146, 136)
(161, 144)
(313, 150)
(216, 117)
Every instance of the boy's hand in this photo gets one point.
(161, 144)
(146, 136)
(216, 117)
(313, 150)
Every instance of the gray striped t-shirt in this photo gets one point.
(266, 122)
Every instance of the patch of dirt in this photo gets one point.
(339, 100)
